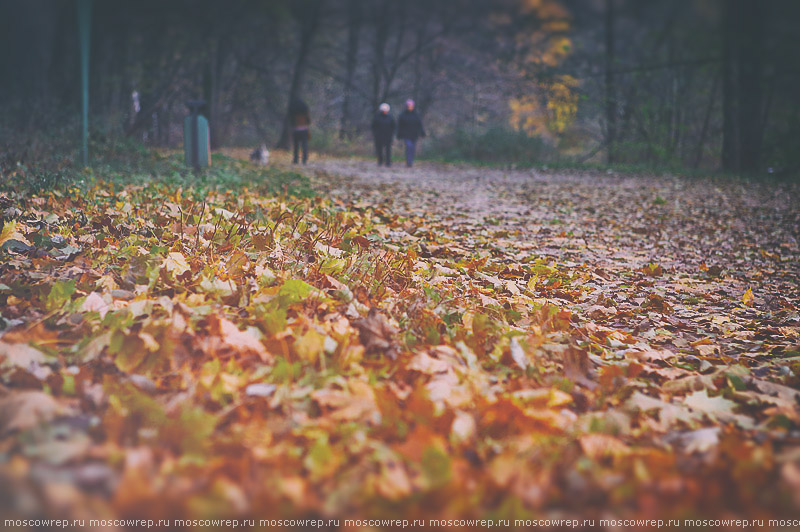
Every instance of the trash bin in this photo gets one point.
(196, 141)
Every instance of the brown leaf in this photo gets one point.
(577, 367)
(377, 334)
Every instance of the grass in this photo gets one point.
(45, 161)
(125, 162)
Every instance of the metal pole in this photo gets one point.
(84, 32)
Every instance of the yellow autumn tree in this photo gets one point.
(549, 103)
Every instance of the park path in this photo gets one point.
(694, 246)
(587, 217)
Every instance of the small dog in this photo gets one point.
(260, 155)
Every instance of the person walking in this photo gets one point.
(300, 121)
(383, 127)
(409, 130)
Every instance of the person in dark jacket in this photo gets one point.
(383, 127)
(300, 122)
(409, 130)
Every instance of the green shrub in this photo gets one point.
(494, 145)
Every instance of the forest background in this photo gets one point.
(683, 84)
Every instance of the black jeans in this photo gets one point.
(300, 138)
(384, 150)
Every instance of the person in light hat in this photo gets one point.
(409, 130)
(383, 127)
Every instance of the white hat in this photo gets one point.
(384, 107)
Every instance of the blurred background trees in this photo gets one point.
(706, 84)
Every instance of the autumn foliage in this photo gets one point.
(176, 352)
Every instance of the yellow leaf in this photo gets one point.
(310, 345)
(10, 232)
(747, 298)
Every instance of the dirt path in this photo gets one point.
(689, 247)
(589, 218)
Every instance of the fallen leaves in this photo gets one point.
(377, 334)
(443, 346)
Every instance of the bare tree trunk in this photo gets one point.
(308, 16)
(399, 20)
(379, 51)
(610, 87)
(729, 18)
(698, 155)
(418, 47)
(751, 46)
(354, 18)
(120, 91)
(212, 88)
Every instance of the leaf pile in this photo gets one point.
(421, 345)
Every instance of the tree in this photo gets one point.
(354, 21)
(743, 59)
(307, 16)
(610, 88)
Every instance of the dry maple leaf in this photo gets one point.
(357, 403)
(94, 302)
(424, 363)
(697, 441)
(226, 337)
(598, 445)
(21, 355)
(25, 410)
(713, 407)
(377, 334)
(176, 264)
